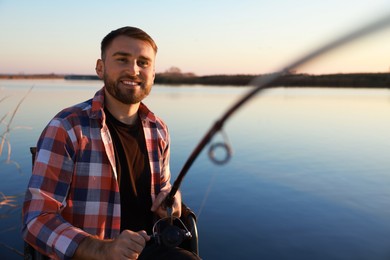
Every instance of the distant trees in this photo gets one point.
(173, 70)
(176, 72)
(174, 76)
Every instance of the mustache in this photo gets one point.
(137, 79)
(131, 77)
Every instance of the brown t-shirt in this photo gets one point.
(134, 175)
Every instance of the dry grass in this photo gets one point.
(5, 130)
(8, 201)
(5, 145)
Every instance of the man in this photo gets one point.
(102, 167)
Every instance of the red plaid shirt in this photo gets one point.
(73, 191)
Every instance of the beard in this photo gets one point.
(125, 95)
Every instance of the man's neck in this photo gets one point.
(125, 113)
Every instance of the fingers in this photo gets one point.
(159, 200)
(130, 244)
(137, 239)
(144, 235)
(158, 208)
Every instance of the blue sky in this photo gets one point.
(200, 36)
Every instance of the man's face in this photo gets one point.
(128, 69)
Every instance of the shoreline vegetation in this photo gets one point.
(364, 80)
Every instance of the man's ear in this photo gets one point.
(100, 68)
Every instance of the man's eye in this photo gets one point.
(123, 60)
(143, 63)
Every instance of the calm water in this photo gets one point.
(309, 177)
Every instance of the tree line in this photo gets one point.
(176, 77)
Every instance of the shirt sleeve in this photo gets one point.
(43, 226)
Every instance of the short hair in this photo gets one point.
(132, 32)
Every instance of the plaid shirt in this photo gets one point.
(73, 191)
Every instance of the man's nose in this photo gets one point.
(133, 69)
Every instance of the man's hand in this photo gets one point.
(128, 245)
(161, 211)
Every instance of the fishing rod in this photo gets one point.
(261, 83)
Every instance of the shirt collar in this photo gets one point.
(98, 107)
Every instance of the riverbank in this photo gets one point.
(375, 80)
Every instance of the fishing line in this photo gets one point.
(264, 82)
(206, 195)
(215, 149)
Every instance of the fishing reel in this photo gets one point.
(170, 232)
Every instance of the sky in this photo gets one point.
(205, 37)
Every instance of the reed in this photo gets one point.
(6, 121)
(6, 128)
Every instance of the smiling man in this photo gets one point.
(102, 171)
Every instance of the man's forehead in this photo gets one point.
(128, 44)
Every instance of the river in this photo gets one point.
(309, 176)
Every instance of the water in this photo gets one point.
(309, 177)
